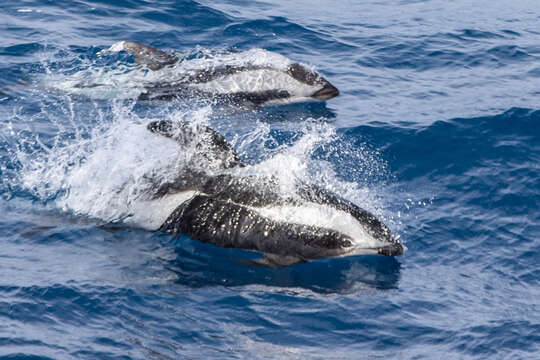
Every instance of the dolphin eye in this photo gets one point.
(300, 73)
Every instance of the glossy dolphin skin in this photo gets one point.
(256, 85)
(249, 213)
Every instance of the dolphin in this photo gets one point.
(251, 213)
(229, 83)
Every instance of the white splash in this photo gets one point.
(108, 173)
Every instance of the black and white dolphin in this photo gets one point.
(233, 80)
(251, 213)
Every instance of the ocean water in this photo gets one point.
(436, 131)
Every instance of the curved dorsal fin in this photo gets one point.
(216, 147)
(146, 55)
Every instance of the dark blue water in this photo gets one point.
(436, 130)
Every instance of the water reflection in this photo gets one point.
(296, 112)
(198, 265)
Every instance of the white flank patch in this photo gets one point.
(258, 80)
(151, 214)
(326, 217)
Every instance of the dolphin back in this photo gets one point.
(146, 55)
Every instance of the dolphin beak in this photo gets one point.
(394, 249)
(328, 91)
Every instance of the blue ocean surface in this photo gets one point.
(436, 131)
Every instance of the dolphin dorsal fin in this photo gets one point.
(146, 55)
(217, 147)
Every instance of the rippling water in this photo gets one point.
(436, 131)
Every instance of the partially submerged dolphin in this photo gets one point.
(250, 212)
(255, 84)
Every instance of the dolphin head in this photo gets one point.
(325, 90)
